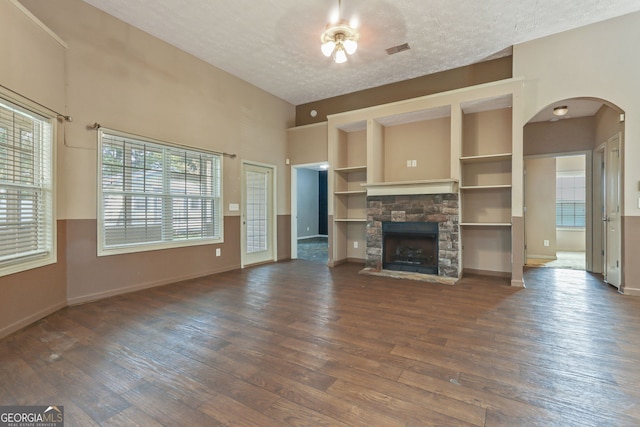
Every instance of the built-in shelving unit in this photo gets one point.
(349, 175)
(459, 142)
(486, 185)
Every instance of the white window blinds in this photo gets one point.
(26, 186)
(570, 200)
(156, 194)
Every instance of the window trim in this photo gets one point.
(51, 256)
(145, 247)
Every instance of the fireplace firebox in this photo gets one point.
(410, 246)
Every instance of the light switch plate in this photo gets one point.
(234, 207)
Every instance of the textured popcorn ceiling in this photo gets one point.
(274, 44)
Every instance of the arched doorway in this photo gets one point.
(589, 132)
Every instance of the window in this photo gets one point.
(570, 200)
(27, 233)
(154, 195)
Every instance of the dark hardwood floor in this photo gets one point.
(296, 343)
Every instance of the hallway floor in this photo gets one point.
(570, 260)
(315, 249)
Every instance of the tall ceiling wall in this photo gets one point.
(470, 75)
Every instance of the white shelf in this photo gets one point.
(348, 193)
(350, 220)
(430, 186)
(486, 158)
(485, 187)
(485, 224)
(351, 169)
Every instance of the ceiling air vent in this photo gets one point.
(398, 49)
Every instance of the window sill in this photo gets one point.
(19, 267)
(156, 246)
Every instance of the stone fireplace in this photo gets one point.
(440, 211)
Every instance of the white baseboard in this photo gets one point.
(16, 326)
(128, 289)
(631, 291)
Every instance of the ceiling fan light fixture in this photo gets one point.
(327, 48)
(350, 46)
(561, 110)
(340, 56)
(339, 39)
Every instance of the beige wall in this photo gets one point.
(356, 148)
(593, 61)
(631, 232)
(307, 144)
(571, 240)
(487, 132)
(470, 75)
(563, 136)
(607, 124)
(32, 65)
(428, 142)
(571, 164)
(33, 294)
(33, 60)
(126, 79)
(91, 277)
(540, 216)
(123, 78)
(486, 251)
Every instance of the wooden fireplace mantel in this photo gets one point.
(429, 186)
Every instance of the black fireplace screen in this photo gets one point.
(410, 246)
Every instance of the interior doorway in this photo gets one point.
(567, 128)
(309, 212)
(557, 210)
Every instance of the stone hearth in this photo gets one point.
(440, 208)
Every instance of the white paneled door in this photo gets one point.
(611, 219)
(258, 216)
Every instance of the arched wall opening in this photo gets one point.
(550, 140)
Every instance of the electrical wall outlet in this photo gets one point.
(218, 252)
(546, 243)
(355, 245)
